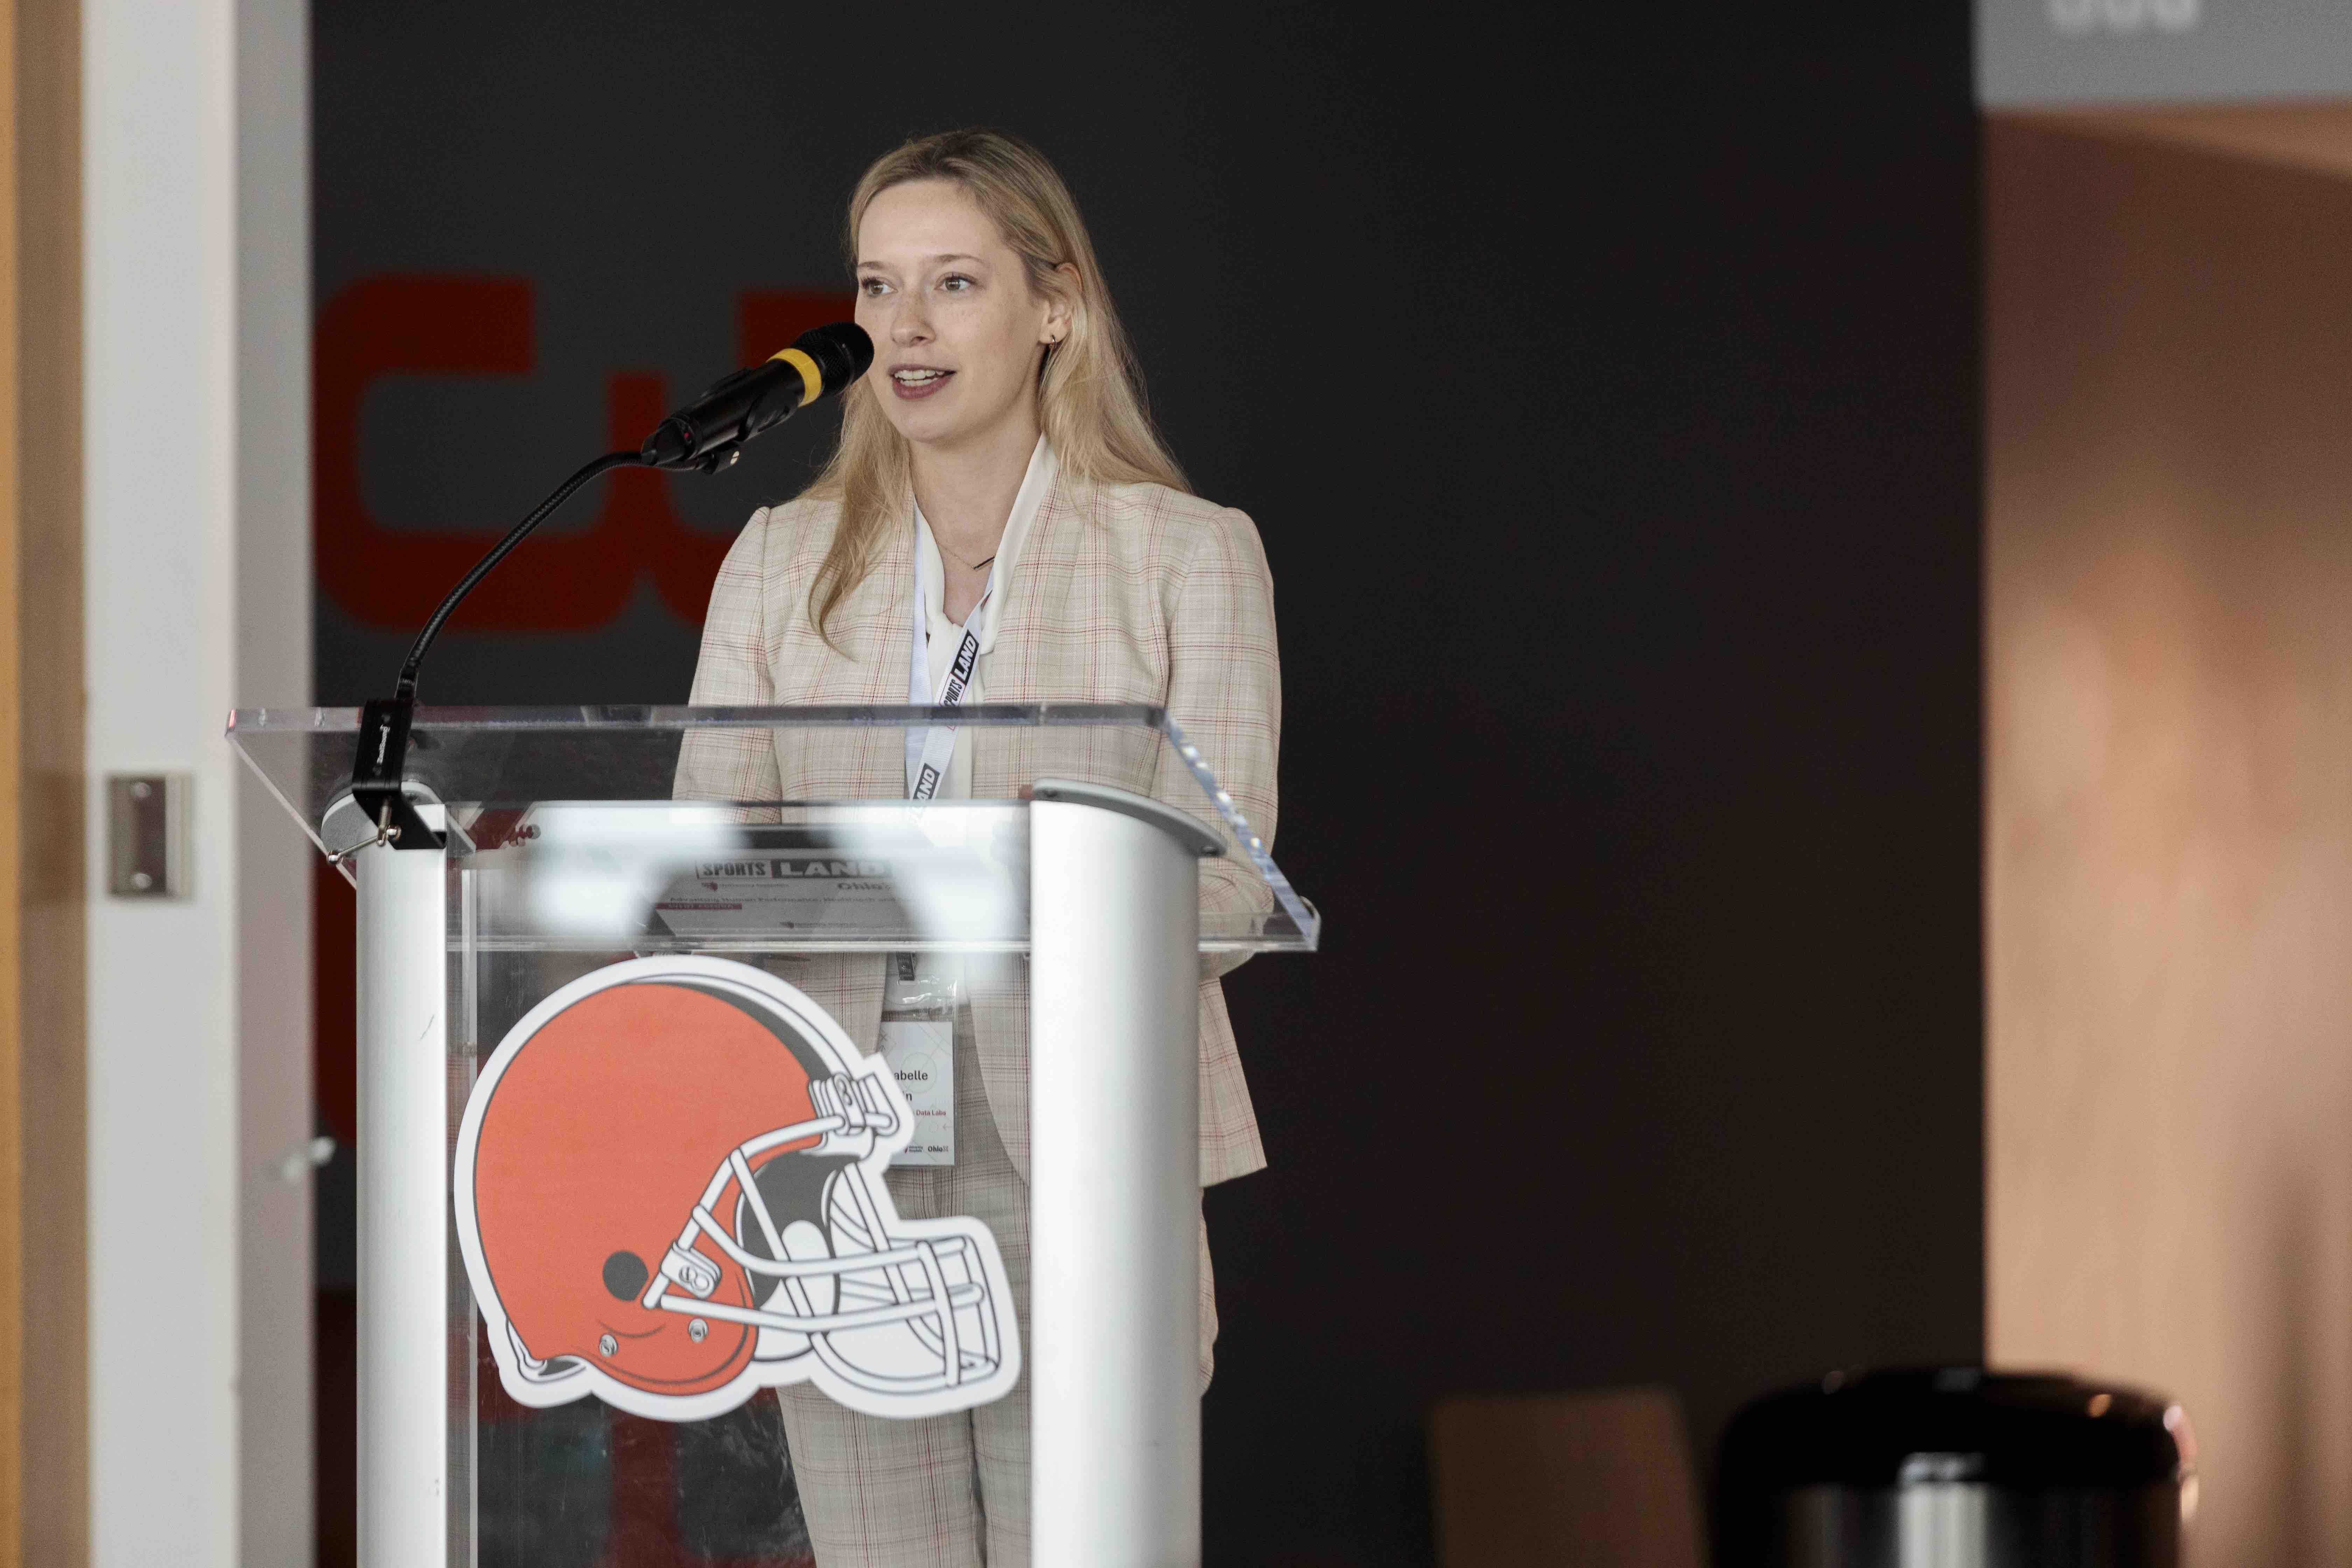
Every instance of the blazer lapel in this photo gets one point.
(1004, 762)
(867, 667)
(1012, 661)
(874, 627)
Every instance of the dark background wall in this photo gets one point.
(1607, 393)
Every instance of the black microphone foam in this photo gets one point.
(709, 432)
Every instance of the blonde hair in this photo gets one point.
(1089, 389)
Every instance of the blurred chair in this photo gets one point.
(1596, 1479)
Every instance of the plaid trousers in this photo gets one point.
(949, 1491)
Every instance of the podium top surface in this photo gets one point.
(771, 828)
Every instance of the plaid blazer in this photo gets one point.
(1130, 594)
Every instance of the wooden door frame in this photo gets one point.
(44, 1333)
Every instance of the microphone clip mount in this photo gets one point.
(378, 773)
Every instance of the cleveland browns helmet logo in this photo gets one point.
(669, 1195)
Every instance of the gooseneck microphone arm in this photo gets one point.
(406, 689)
(707, 435)
(379, 771)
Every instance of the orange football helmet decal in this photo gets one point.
(669, 1190)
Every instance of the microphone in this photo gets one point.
(706, 434)
(709, 432)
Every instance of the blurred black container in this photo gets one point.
(1956, 1468)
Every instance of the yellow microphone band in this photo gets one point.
(812, 379)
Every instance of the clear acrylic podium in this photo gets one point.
(572, 845)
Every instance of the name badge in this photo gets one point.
(921, 1053)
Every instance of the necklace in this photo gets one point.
(967, 565)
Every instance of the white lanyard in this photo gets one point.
(922, 1051)
(927, 767)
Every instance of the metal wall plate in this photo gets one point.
(147, 834)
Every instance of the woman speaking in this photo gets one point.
(996, 472)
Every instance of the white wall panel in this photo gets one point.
(196, 491)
